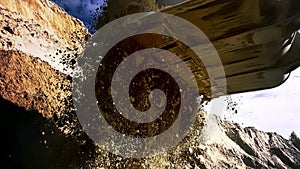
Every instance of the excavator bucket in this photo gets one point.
(257, 40)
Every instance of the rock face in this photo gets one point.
(39, 44)
(42, 15)
(252, 148)
(33, 84)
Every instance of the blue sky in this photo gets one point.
(273, 110)
(81, 9)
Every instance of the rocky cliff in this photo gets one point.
(39, 43)
(251, 148)
(39, 46)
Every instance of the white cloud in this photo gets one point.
(272, 110)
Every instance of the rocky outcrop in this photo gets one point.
(295, 140)
(33, 84)
(67, 30)
(263, 150)
(39, 43)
